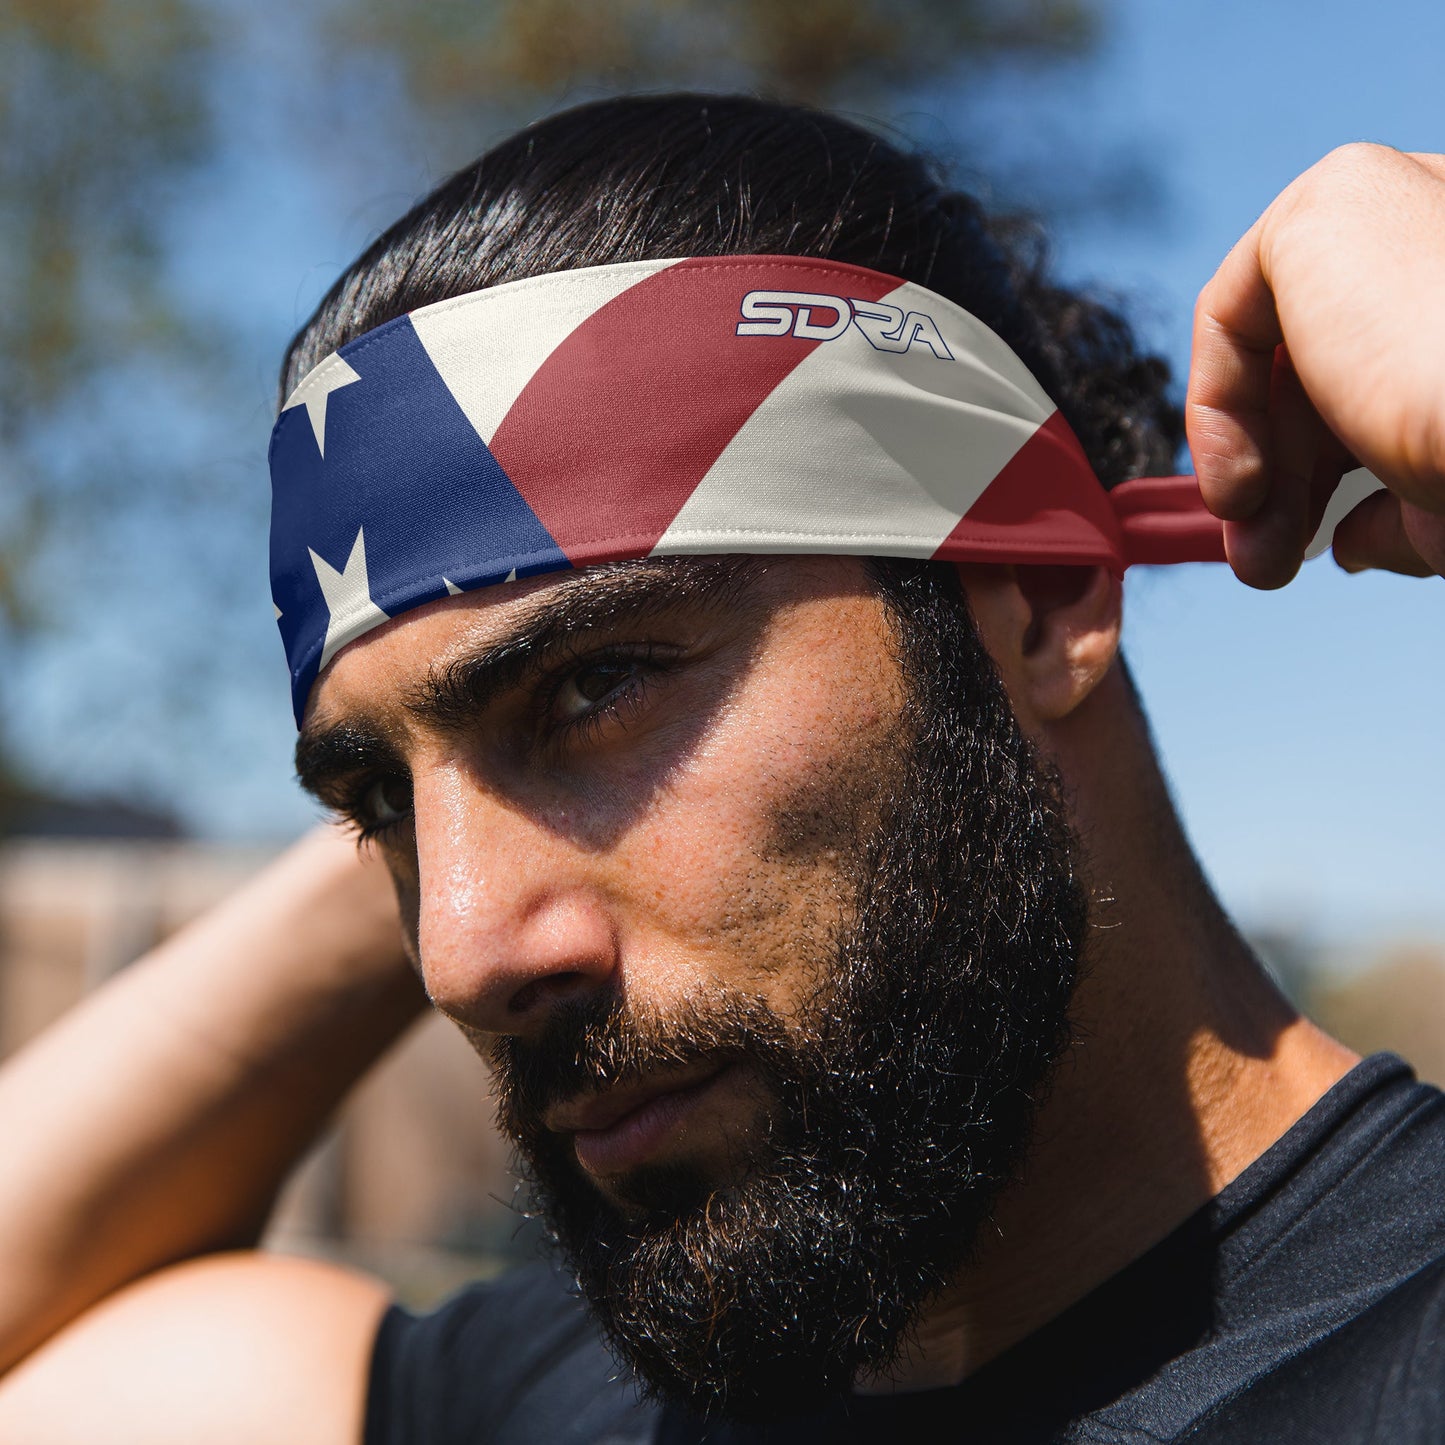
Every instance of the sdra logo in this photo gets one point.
(816, 317)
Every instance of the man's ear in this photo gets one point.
(1052, 631)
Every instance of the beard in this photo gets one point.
(900, 1097)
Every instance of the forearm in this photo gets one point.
(158, 1120)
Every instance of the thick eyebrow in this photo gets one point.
(600, 599)
(604, 596)
(327, 754)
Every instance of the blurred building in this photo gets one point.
(412, 1183)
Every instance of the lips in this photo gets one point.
(616, 1130)
(601, 1111)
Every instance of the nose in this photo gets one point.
(512, 918)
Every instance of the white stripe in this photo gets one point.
(1353, 488)
(861, 448)
(488, 345)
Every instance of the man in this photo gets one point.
(879, 1056)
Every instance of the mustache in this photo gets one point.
(591, 1043)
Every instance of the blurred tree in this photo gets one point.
(472, 69)
(100, 114)
(460, 55)
(103, 114)
(110, 142)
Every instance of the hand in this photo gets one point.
(1319, 347)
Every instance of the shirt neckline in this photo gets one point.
(1080, 1352)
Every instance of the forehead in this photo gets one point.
(508, 625)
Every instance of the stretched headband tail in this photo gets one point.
(1163, 520)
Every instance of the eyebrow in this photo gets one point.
(604, 596)
(327, 754)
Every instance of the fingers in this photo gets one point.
(1426, 534)
(1254, 436)
(1236, 331)
(1266, 550)
(1301, 465)
(1345, 266)
(1376, 534)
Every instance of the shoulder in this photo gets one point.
(514, 1359)
(1351, 1203)
(229, 1348)
(1378, 1378)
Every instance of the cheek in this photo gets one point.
(754, 854)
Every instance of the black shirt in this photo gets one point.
(1305, 1302)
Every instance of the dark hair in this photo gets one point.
(649, 177)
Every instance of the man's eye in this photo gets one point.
(582, 690)
(385, 801)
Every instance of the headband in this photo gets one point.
(656, 408)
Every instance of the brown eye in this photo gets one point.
(588, 686)
(596, 682)
(386, 801)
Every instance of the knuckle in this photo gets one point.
(1344, 169)
(1359, 154)
(1351, 169)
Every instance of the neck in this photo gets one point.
(1187, 1063)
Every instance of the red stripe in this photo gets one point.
(622, 421)
(1046, 505)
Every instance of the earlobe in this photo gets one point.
(1052, 631)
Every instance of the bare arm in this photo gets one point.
(227, 1349)
(157, 1121)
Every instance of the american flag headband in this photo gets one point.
(655, 408)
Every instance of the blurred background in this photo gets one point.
(181, 180)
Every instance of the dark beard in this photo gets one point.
(901, 1099)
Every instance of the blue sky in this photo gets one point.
(1301, 729)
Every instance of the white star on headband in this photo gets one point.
(348, 599)
(313, 393)
(454, 591)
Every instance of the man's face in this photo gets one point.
(742, 876)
